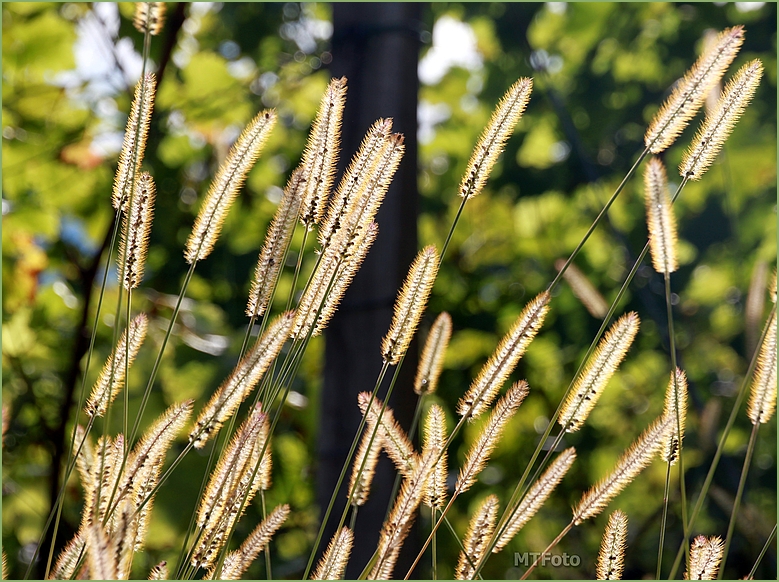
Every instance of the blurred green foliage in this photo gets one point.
(600, 71)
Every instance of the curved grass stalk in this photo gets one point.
(751, 575)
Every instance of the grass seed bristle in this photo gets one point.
(705, 558)
(715, 130)
(432, 359)
(660, 218)
(390, 434)
(599, 369)
(503, 361)
(136, 228)
(435, 438)
(762, 399)
(691, 91)
(149, 16)
(480, 530)
(673, 442)
(226, 184)
(333, 563)
(611, 558)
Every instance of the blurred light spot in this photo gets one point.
(241, 69)
(61, 289)
(296, 400)
(188, 196)
(557, 7)
(454, 45)
(210, 343)
(469, 103)
(540, 423)
(229, 49)
(108, 319)
(439, 165)
(749, 6)
(274, 193)
(491, 475)
(559, 151)
(428, 116)
(6, 207)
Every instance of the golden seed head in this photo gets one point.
(691, 91)
(226, 184)
(149, 16)
(488, 439)
(370, 162)
(136, 228)
(390, 434)
(432, 359)
(503, 361)
(762, 399)
(237, 562)
(321, 154)
(493, 139)
(660, 218)
(673, 404)
(277, 239)
(435, 438)
(600, 368)
(367, 457)
(715, 130)
(611, 559)
(244, 377)
(480, 530)
(134, 144)
(69, 558)
(536, 496)
(410, 304)
(159, 572)
(100, 555)
(333, 563)
(630, 464)
(705, 558)
(112, 376)
(401, 518)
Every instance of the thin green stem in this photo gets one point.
(767, 544)
(739, 493)
(597, 220)
(434, 546)
(158, 360)
(268, 571)
(548, 549)
(451, 230)
(298, 265)
(663, 520)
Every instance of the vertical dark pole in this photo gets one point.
(376, 46)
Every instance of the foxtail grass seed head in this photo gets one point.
(673, 441)
(226, 185)
(111, 378)
(503, 361)
(488, 439)
(134, 144)
(237, 562)
(584, 290)
(159, 572)
(321, 154)
(432, 359)
(390, 434)
(333, 563)
(690, 92)
(367, 457)
(772, 288)
(344, 276)
(599, 369)
(480, 530)
(630, 464)
(611, 559)
(231, 487)
(149, 16)
(493, 139)
(660, 218)
(705, 558)
(100, 556)
(435, 438)
(374, 149)
(715, 130)
(762, 400)
(536, 497)
(242, 380)
(401, 518)
(280, 232)
(68, 559)
(134, 241)
(145, 461)
(410, 304)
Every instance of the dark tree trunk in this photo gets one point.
(376, 46)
